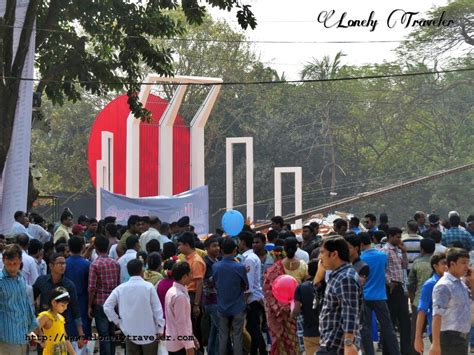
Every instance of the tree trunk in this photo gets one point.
(13, 67)
(6, 126)
(33, 192)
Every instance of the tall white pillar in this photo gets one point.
(165, 160)
(297, 171)
(132, 173)
(197, 136)
(248, 141)
(105, 169)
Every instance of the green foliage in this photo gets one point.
(377, 131)
(104, 44)
(61, 152)
(430, 42)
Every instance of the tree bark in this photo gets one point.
(33, 192)
(10, 86)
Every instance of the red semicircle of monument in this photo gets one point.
(113, 118)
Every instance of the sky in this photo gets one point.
(297, 20)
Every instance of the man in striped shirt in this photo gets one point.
(412, 240)
(395, 274)
(17, 317)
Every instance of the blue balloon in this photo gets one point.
(232, 222)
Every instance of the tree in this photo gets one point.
(321, 70)
(94, 45)
(429, 42)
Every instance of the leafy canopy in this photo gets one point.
(104, 43)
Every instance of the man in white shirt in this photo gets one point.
(302, 255)
(151, 233)
(35, 250)
(437, 236)
(19, 226)
(29, 269)
(140, 314)
(132, 247)
(255, 310)
(35, 228)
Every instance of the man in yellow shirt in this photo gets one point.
(64, 229)
(198, 269)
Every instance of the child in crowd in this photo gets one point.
(51, 323)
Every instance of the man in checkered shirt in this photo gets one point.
(104, 276)
(457, 235)
(340, 314)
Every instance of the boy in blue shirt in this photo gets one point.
(425, 305)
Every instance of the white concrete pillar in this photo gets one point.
(248, 141)
(105, 169)
(165, 160)
(198, 123)
(297, 171)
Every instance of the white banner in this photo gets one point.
(14, 185)
(193, 203)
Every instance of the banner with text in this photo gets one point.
(193, 203)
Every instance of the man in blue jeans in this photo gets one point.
(230, 280)
(104, 276)
(210, 295)
(375, 300)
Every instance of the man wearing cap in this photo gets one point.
(78, 230)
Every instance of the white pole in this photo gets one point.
(165, 161)
(197, 138)
(229, 169)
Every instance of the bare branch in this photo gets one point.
(467, 37)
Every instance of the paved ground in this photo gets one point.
(121, 351)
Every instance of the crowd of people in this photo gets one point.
(155, 287)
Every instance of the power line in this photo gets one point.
(301, 81)
(215, 40)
